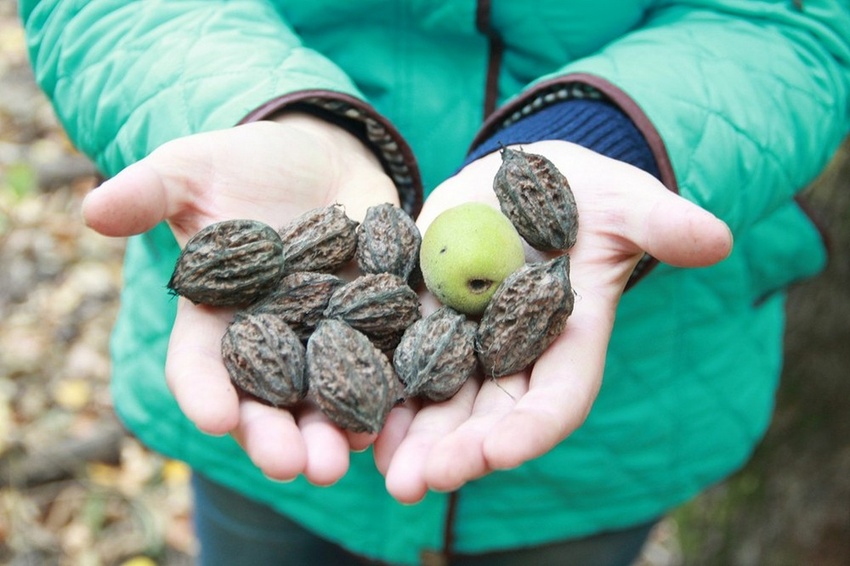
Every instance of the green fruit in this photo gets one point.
(466, 252)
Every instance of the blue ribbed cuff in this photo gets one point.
(595, 124)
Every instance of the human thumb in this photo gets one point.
(680, 233)
(133, 201)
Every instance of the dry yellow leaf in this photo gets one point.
(104, 475)
(175, 472)
(72, 394)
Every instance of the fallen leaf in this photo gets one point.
(176, 473)
(72, 394)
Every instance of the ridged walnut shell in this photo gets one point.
(322, 239)
(388, 241)
(380, 305)
(526, 314)
(537, 198)
(229, 263)
(436, 355)
(300, 299)
(351, 380)
(265, 358)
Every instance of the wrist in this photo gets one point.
(366, 124)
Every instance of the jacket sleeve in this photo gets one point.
(743, 103)
(125, 77)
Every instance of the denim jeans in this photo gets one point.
(233, 530)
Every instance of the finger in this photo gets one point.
(677, 231)
(272, 440)
(405, 477)
(564, 382)
(132, 202)
(327, 448)
(360, 441)
(393, 434)
(459, 456)
(194, 371)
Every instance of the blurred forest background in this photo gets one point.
(75, 489)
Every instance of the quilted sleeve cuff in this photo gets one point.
(367, 124)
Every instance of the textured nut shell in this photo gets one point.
(388, 241)
(321, 239)
(537, 198)
(436, 355)
(265, 358)
(527, 313)
(381, 305)
(300, 299)
(351, 380)
(229, 263)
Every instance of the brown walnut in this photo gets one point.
(265, 358)
(321, 239)
(537, 198)
(436, 355)
(388, 241)
(229, 263)
(380, 305)
(526, 314)
(351, 380)
(300, 299)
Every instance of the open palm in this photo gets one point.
(499, 424)
(268, 171)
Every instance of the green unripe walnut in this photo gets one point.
(466, 252)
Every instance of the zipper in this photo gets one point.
(484, 24)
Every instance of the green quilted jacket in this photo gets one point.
(742, 102)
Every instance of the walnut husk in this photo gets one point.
(351, 380)
(265, 358)
(300, 299)
(436, 355)
(322, 239)
(526, 314)
(388, 241)
(381, 305)
(229, 264)
(537, 198)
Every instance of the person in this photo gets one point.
(680, 124)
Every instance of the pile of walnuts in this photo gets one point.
(356, 348)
